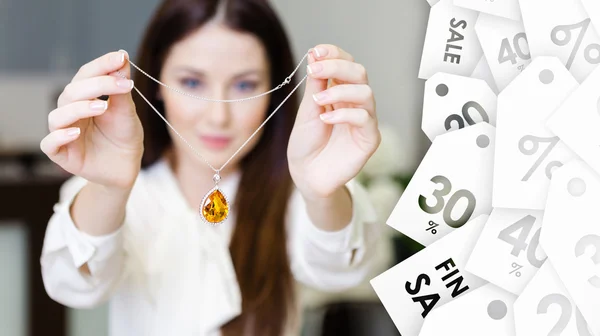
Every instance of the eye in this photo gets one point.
(246, 85)
(191, 82)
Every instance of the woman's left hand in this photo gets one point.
(336, 131)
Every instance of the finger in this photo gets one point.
(342, 70)
(360, 95)
(64, 116)
(125, 70)
(330, 83)
(330, 51)
(52, 144)
(309, 109)
(366, 124)
(354, 116)
(103, 65)
(90, 88)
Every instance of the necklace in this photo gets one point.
(215, 207)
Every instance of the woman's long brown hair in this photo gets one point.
(258, 246)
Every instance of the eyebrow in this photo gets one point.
(200, 73)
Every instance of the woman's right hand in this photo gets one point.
(109, 147)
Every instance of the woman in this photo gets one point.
(127, 227)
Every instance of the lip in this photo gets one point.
(215, 141)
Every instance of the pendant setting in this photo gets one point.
(214, 208)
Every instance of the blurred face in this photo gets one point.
(217, 63)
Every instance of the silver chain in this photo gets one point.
(286, 81)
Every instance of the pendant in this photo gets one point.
(215, 205)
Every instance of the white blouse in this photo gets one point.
(166, 272)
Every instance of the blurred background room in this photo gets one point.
(43, 44)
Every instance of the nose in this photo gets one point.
(219, 114)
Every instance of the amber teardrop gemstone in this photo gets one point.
(215, 208)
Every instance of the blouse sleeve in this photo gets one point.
(66, 249)
(333, 261)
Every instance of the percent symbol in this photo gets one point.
(432, 227)
(516, 267)
(535, 145)
(561, 36)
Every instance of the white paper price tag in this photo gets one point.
(487, 310)
(508, 9)
(545, 308)
(451, 44)
(526, 151)
(453, 102)
(504, 44)
(507, 253)
(571, 235)
(482, 71)
(577, 121)
(451, 185)
(592, 8)
(430, 278)
(562, 29)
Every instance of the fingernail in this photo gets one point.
(73, 131)
(125, 83)
(314, 68)
(320, 51)
(321, 96)
(118, 58)
(311, 58)
(327, 116)
(125, 53)
(99, 105)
